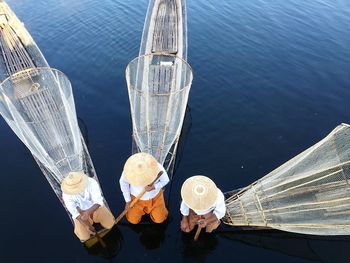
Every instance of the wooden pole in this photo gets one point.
(197, 233)
(133, 202)
(122, 214)
(100, 240)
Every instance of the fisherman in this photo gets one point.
(203, 204)
(83, 199)
(141, 173)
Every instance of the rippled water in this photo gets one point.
(270, 79)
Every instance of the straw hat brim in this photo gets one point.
(199, 193)
(78, 186)
(141, 169)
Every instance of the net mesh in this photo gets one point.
(309, 194)
(38, 105)
(158, 87)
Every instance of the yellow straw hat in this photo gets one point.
(141, 169)
(74, 183)
(199, 193)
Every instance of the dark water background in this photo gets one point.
(271, 78)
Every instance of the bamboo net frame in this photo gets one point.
(15, 56)
(37, 103)
(158, 87)
(164, 33)
(40, 110)
(309, 194)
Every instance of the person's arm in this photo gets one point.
(218, 212)
(71, 205)
(125, 187)
(185, 211)
(162, 181)
(86, 214)
(210, 218)
(220, 208)
(96, 198)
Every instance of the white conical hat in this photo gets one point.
(141, 169)
(74, 183)
(199, 193)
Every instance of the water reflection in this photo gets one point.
(151, 235)
(186, 129)
(314, 248)
(197, 251)
(113, 240)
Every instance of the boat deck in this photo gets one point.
(165, 29)
(162, 76)
(18, 50)
(15, 55)
(161, 79)
(165, 35)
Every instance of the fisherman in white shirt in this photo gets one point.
(83, 198)
(141, 173)
(203, 204)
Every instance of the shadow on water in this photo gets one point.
(197, 251)
(84, 130)
(113, 240)
(186, 129)
(151, 235)
(313, 248)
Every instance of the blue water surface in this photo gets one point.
(271, 78)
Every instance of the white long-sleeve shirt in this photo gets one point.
(129, 190)
(219, 209)
(90, 196)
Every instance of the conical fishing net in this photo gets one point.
(309, 194)
(38, 105)
(158, 87)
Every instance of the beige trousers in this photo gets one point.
(193, 219)
(102, 215)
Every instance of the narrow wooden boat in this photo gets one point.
(165, 28)
(159, 81)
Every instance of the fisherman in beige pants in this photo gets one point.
(83, 199)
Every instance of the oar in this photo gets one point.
(197, 233)
(87, 222)
(122, 214)
(133, 202)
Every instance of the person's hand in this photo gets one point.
(149, 188)
(90, 229)
(202, 223)
(84, 215)
(127, 205)
(185, 226)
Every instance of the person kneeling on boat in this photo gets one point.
(83, 199)
(203, 204)
(145, 178)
